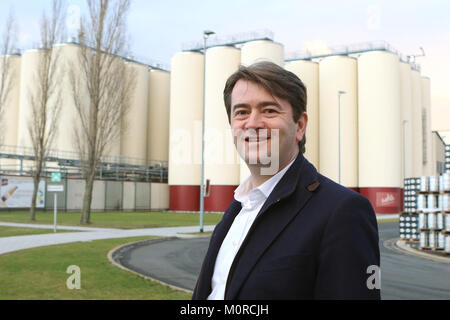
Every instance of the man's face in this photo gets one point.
(263, 124)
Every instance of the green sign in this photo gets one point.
(56, 177)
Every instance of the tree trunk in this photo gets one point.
(36, 179)
(86, 212)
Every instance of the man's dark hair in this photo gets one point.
(276, 80)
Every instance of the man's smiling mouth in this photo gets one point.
(256, 139)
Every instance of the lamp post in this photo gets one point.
(206, 34)
(340, 92)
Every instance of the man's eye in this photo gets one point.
(240, 112)
(270, 111)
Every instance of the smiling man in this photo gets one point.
(290, 232)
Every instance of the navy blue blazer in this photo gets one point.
(312, 239)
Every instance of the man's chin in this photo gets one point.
(258, 160)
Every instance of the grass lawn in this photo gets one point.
(40, 273)
(13, 231)
(121, 220)
(388, 220)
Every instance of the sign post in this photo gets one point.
(55, 211)
(56, 177)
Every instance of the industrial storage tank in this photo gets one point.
(31, 60)
(380, 157)
(133, 136)
(65, 141)
(112, 151)
(416, 87)
(308, 72)
(426, 118)
(262, 50)
(256, 51)
(221, 160)
(11, 110)
(406, 119)
(158, 116)
(186, 100)
(338, 73)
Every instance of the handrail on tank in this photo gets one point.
(150, 63)
(230, 40)
(356, 48)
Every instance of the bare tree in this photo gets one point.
(45, 99)
(101, 73)
(6, 81)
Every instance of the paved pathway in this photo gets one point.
(11, 244)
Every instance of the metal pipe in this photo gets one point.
(206, 34)
(340, 92)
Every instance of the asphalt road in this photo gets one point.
(403, 276)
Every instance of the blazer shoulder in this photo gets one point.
(332, 189)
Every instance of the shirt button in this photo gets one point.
(234, 243)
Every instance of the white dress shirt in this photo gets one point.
(251, 201)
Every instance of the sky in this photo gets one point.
(158, 29)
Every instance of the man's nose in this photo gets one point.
(254, 121)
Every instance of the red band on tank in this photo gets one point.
(219, 198)
(184, 198)
(384, 200)
(187, 198)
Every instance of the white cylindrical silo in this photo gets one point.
(31, 61)
(416, 88)
(257, 51)
(262, 50)
(427, 168)
(186, 100)
(221, 165)
(34, 80)
(379, 114)
(11, 107)
(308, 72)
(113, 148)
(10, 110)
(338, 73)
(133, 139)
(406, 119)
(158, 116)
(66, 142)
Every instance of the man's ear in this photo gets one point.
(301, 126)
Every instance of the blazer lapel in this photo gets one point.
(221, 230)
(272, 219)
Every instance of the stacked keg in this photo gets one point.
(447, 158)
(408, 221)
(412, 185)
(444, 202)
(428, 212)
(409, 227)
(433, 208)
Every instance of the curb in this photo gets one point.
(401, 245)
(117, 264)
